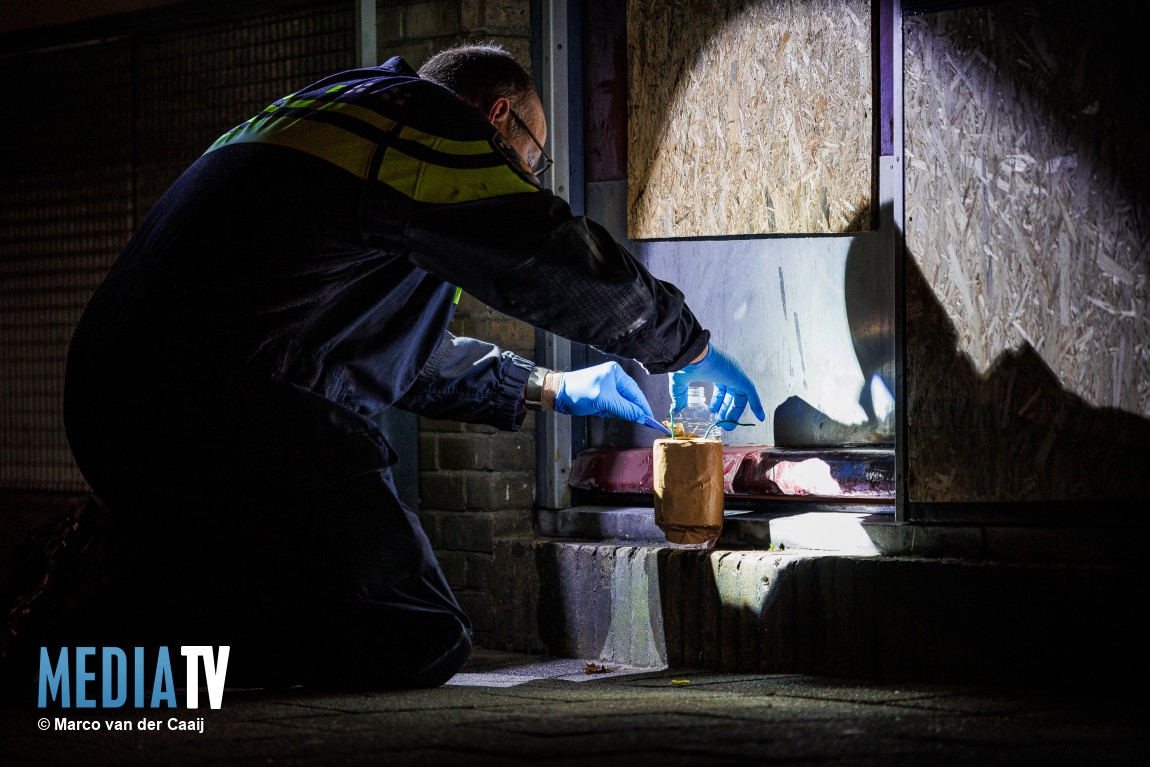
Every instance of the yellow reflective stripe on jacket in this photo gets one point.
(419, 179)
(254, 129)
(366, 116)
(427, 182)
(327, 142)
(445, 145)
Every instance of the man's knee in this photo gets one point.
(451, 660)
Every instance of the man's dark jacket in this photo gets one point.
(316, 249)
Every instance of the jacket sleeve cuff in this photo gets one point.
(510, 407)
(690, 352)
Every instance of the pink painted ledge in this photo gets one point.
(754, 471)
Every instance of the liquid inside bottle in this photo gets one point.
(697, 417)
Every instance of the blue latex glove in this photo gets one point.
(733, 390)
(604, 390)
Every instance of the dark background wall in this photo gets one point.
(16, 15)
(110, 113)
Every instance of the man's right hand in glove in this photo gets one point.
(733, 389)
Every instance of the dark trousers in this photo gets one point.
(265, 518)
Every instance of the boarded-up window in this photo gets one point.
(748, 117)
(1028, 236)
(100, 132)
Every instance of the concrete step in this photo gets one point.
(803, 525)
(805, 611)
(858, 528)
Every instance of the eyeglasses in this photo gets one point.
(545, 160)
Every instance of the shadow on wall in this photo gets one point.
(1013, 434)
(669, 59)
(1026, 209)
(877, 618)
(697, 27)
(869, 295)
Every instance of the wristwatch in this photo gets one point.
(533, 394)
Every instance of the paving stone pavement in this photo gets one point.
(506, 709)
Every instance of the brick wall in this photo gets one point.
(416, 30)
(476, 484)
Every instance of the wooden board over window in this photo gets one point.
(748, 117)
(1028, 239)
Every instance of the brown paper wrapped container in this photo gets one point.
(688, 480)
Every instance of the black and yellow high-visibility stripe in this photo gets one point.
(300, 124)
(425, 167)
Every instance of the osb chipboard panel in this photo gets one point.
(1028, 342)
(748, 117)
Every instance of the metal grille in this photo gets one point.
(65, 212)
(194, 85)
(92, 137)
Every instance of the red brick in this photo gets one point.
(454, 566)
(442, 490)
(501, 451)
(500, 490)
(507, 333)
(414, 53)
(480, 608)
(428, 451)
(478, 571)
(389, 23)
(431, 19)
(475, 531)
(507, 15)
(432, 424)
(516, 452)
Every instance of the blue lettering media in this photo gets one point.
(74, 674)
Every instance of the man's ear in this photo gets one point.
(499, 112)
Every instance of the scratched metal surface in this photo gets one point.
(811, 320)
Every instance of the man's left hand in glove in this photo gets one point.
(603, 390)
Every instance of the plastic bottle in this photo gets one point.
(697, 417)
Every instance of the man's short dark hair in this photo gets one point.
(480, 74)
